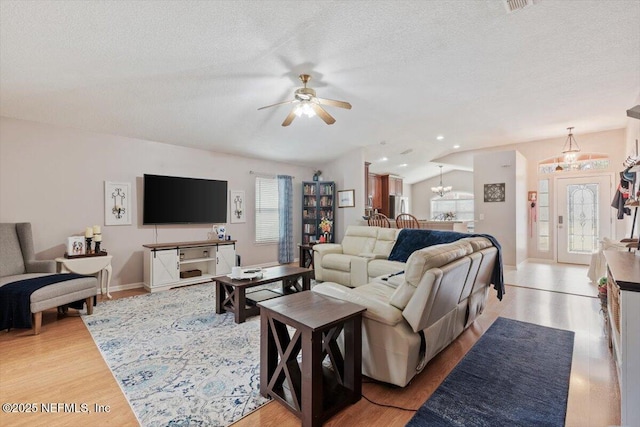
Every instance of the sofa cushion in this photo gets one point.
(405, 291)
(340, 262)
(385, 241)
(359, 239)
(11, 259)
(379, 267)
(373, 296)
(478, 243)
(434, 256)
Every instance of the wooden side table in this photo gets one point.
(311, 391)
(306, 255)
(90, 265)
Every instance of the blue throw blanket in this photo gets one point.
(410, 240)
(15, 299)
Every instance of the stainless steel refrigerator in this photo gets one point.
(398, 205)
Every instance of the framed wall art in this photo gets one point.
(346, 198)
(117, 203)
(237, 207)
(494, 192)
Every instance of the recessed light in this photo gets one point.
(404, 165)
(456, 146)
(383, 159)
(439, 137)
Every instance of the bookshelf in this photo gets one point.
(318, 202)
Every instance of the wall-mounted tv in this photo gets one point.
(178, 200)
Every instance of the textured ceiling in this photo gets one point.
(194, 73)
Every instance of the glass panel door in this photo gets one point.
(583, 216)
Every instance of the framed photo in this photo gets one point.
(237, 207)
(346, 198)
(494, 192)
(117, 203)
(76, 245)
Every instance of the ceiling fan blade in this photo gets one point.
(323, 114)
(334, 103)
(279, 103)
(290, 117)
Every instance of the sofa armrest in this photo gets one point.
(328, 248)
(371, 255)
(376, 310)
(40, 266)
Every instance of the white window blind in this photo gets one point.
(267, 217)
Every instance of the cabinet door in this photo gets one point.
(165, 268)
(225, 259)
(398, 185)
(377, 192)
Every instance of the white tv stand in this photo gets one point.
(163, 262)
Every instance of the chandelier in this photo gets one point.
(441, 190)
(571, 148)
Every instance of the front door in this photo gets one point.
(584, 216)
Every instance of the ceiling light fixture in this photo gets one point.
(383, 159)
(440, 190)
(304, 107)
(456, 146)
(439, 137)
(571, 148)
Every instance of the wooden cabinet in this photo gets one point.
(390, 186)
(166, 263)
(318, 202)
(375, 191)
(623, 309)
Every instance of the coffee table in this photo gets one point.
(303, 385)
(231, 294)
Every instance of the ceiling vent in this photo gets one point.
(516, 5)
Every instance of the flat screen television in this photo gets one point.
(178, 200)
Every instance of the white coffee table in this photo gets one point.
(89, 265)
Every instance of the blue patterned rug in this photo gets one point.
(517, 374)
(177, 361)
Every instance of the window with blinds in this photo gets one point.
(267, 217)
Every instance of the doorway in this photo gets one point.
(583, 216)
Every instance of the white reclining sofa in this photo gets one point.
(412, 316)
(361, 256)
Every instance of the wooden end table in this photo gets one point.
(311, 391)
(306, 255)
(231, 294)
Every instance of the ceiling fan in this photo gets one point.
(306, 102)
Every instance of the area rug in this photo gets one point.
(176, 360)
(517, 374)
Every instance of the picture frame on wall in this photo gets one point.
(346, 198)
(237, 207)
(494, 192)
(117, 203)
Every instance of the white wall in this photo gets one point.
(421, 194)
(500, 218)
(348, 174)
(54, 178)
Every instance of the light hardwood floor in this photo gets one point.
(63, 365)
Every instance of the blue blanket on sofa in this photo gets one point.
(15, 299)
(410, 240)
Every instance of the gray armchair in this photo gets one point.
(18, 263)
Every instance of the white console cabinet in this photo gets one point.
(623, 307)
(164, 262)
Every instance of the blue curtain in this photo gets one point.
(285, 213)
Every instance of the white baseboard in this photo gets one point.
(126, 287)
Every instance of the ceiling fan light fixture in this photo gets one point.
(304, 108)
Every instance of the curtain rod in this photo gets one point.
(266, 175)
